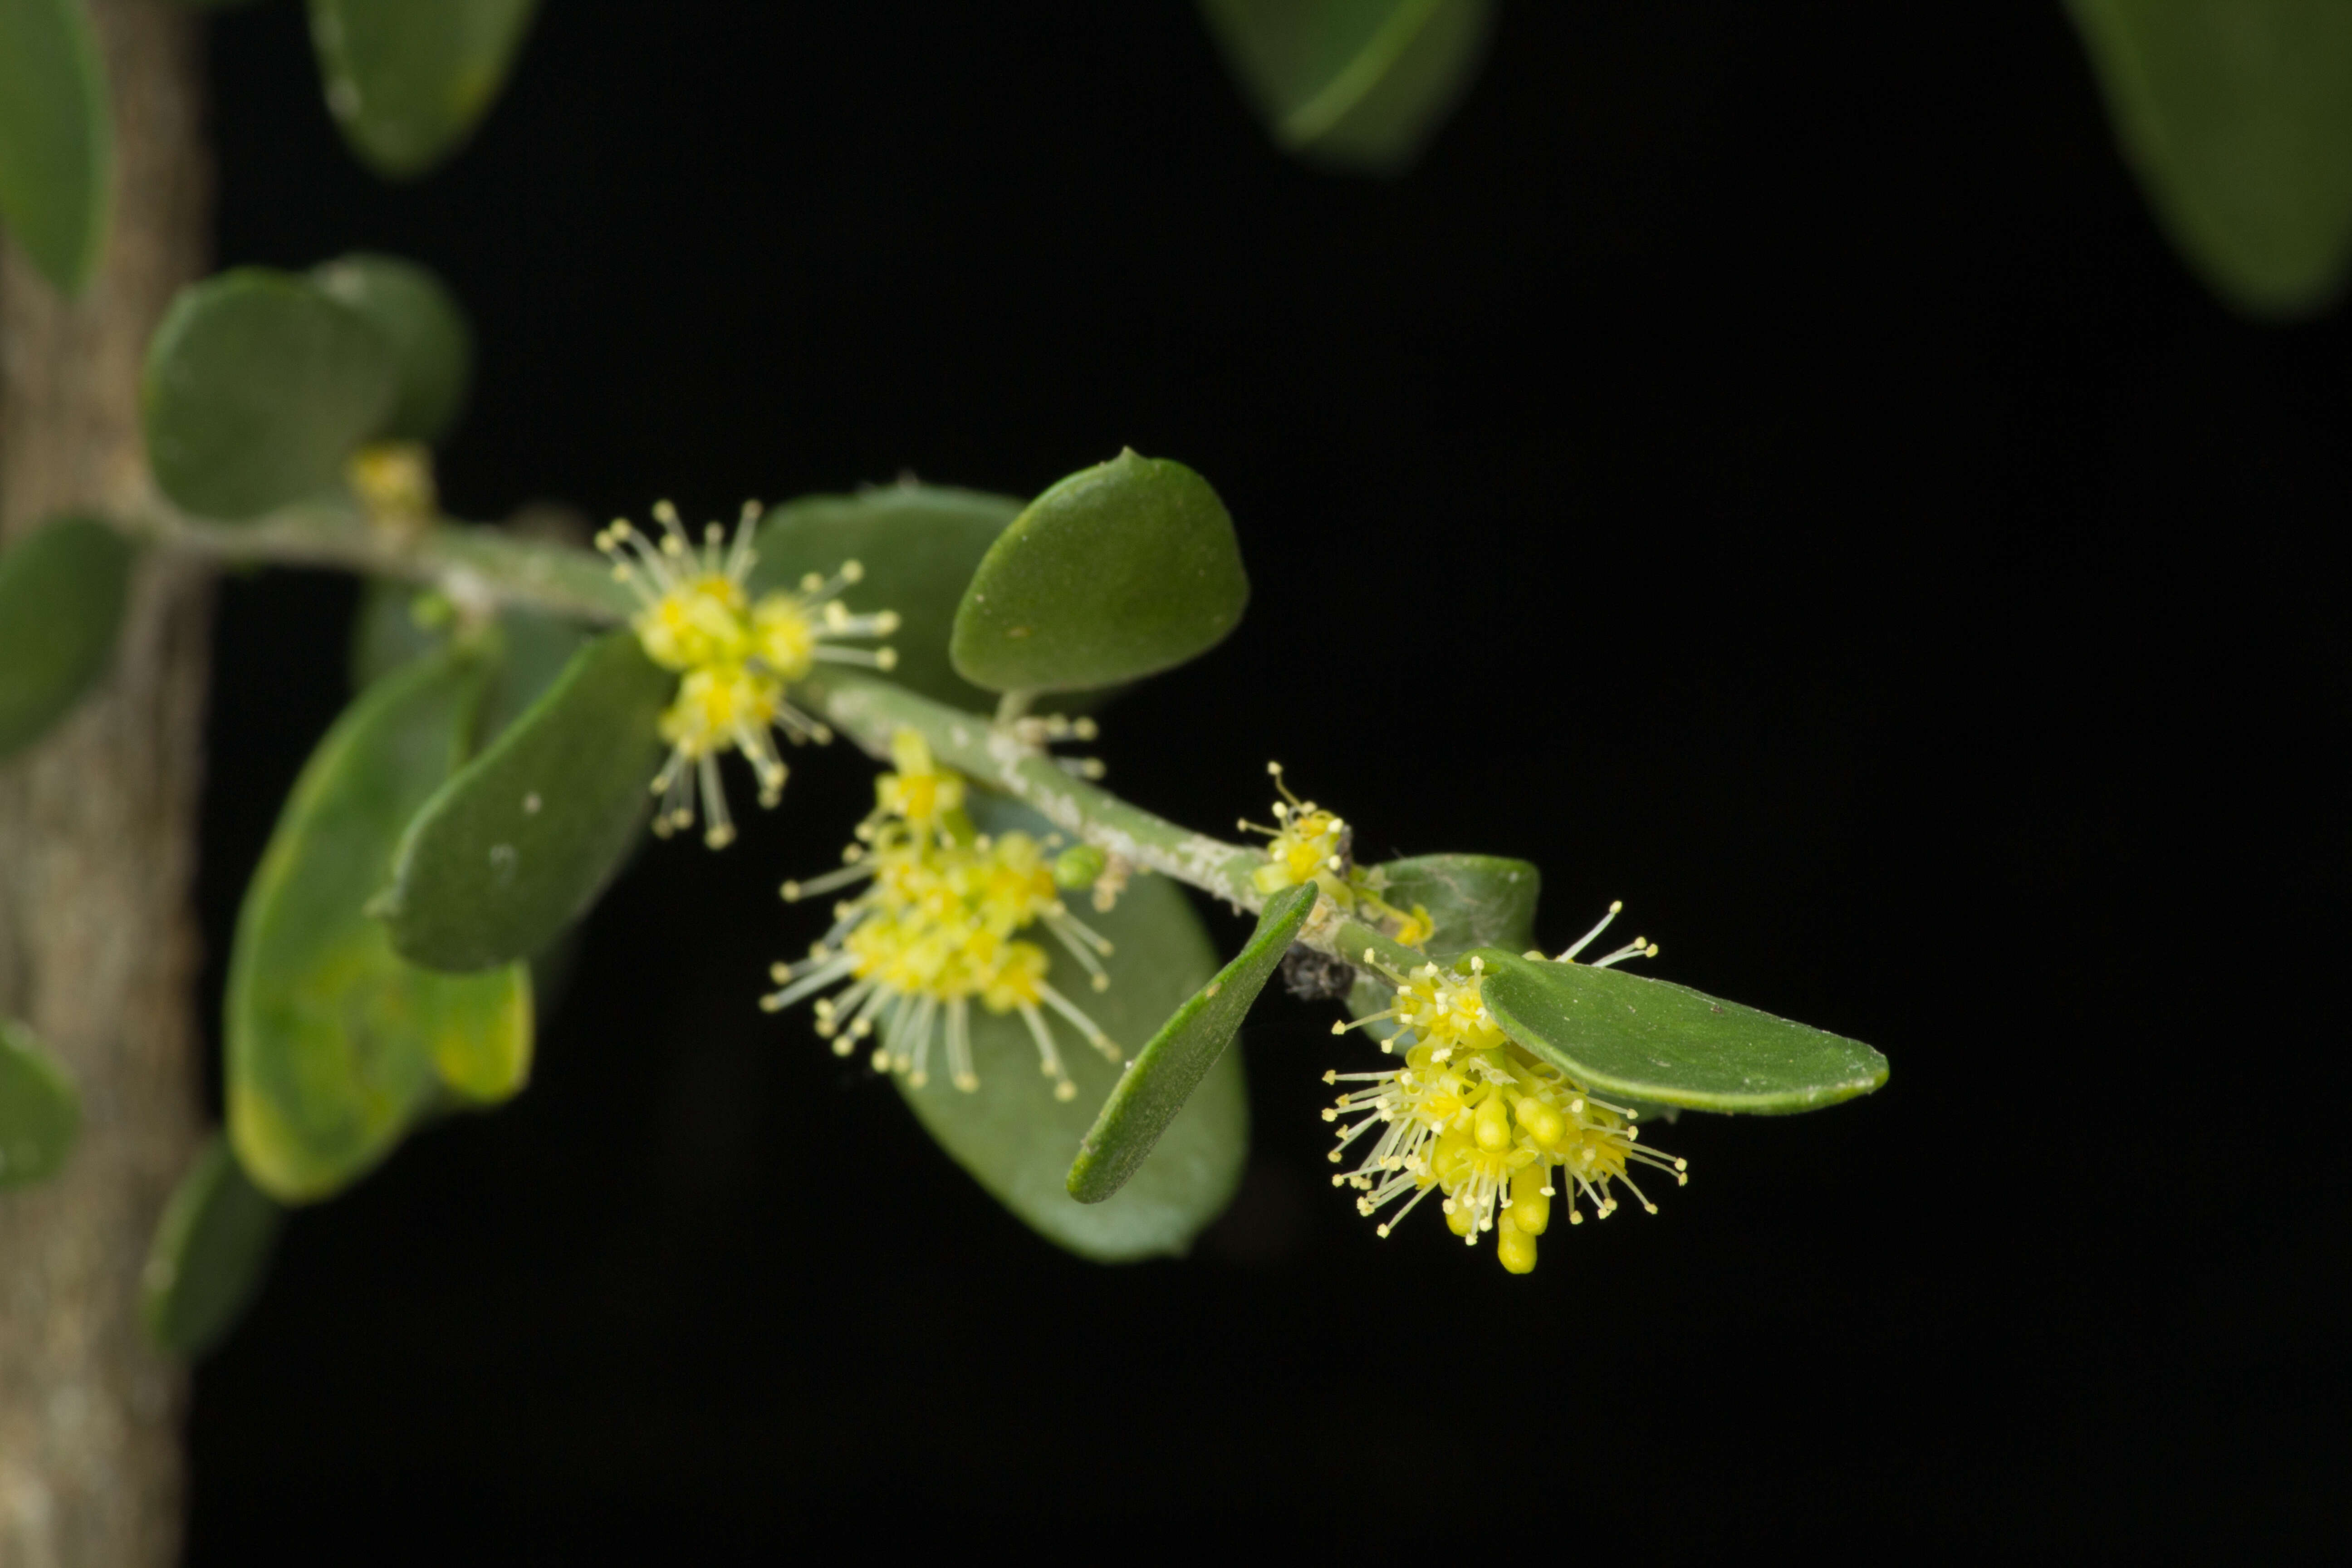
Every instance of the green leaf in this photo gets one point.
(258, 387)
(2236, 115)
(57, 141)
(433, 348)
(396, 623)
(1360, 85)
(61, 594)
(209, 1254)
(334, 1043)
(920, 545)
(1657, 1042)
(534, 653)
(1018, 1141)
(1164, 1074)
(39, 1113)
(1476, 900)
(1116, 572)
(519, 844)
(407, 81)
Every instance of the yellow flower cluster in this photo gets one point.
(937, 930)
(1312, 845)
(734, 655)
(393, 482)
(1474, 1117)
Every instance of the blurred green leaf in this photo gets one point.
(258, 387)
(386, 632)
(209, 1254)
(407, 81)
(1017, 1140)
(920, 545)
(519, 844)
(334, 1043)
(2237, 117)
(1164, 1074)
(39, 1111)
(1117, 572)
(433, 348)
(1653, 1041)
(62, 589)
(1361, 85)
(396, 623)
(534, 653)
(57, 143)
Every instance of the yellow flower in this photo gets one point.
(692, 607)
(735, 656)
(791, 632)
(393, 482)
(920, 794)
(719, 709)
(1476, 1118)
(1310, 845)
(938, 929)
(1313, 845)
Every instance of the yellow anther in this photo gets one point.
(1516, 1247)
(1530, 1199)
(1493, 1124)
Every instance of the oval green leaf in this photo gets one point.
(1360, 85)
(1656, 1042)
(432, 346)
(1164, 1074)
(1474, 900)
(1017, 1140)
(62, 589)
(2236, 115)
(39, 1111)
(407, 81)
(55, 138)
(532, 653)
(519, 843)
(258, 387)
(335, 1045)
(1117, 572)
(208, 1255)
(920, 545)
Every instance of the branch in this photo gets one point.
(482, 567)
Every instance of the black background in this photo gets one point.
(1765, 466)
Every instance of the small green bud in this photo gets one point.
(1078, 866)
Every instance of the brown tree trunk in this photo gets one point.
(98, 946)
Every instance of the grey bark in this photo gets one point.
(98, 946)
